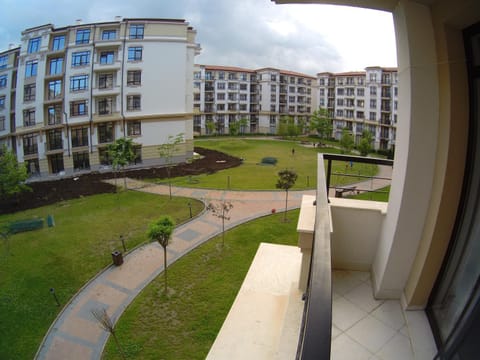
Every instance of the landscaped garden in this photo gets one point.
(202, 287)
(66, 256)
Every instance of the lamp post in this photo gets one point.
(52, 291)
(190, 208)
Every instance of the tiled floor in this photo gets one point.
(366, 328)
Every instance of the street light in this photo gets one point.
(190, 207)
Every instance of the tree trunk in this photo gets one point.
(286, 205)
(118, 345)
(124, 179)
(165, 267)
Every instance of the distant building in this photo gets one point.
(66, 93)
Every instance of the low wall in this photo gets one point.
(356, 229)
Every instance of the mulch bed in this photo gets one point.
(49, 192)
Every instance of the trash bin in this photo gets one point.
(50, 221)
(117, 258)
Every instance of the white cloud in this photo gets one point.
(246, 33)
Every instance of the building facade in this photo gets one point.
(360, 101)
(254, 100)
(69, 92)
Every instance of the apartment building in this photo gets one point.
(69, 92)
(254, 99)
(361, 101)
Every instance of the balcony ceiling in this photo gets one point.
(387, 5)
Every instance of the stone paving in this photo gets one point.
(75, 334)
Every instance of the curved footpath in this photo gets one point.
(75, 334)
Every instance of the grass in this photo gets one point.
(67, 256)
(252, 175)
(202, 288)
(373, 196)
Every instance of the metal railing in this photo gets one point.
(355, 159)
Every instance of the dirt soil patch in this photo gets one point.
(52, 191)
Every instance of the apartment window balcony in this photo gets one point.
(57, 144)
(30, 149)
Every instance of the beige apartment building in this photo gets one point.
(66, 93)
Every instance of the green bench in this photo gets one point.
(25, 225)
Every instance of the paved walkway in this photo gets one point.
(75, 334)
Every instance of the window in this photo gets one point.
(243, 107)
(83, 36)
(349, 114)
(105, 106)
(105, 132)
(54, 114)
(243, 97)
(134, 53)
(232, 97)
(31, 68)
(134, 128)
(360, 92)
(273, 88)
(221, 86)
(136, 31)
(30, 144)
(79, 83)
(339, 113)
(134, 77)
(339, 102)
(243, 87)
(221, 107)
(33, 45)
(2, 102)
(373, 116)
(107, 57)
(54, 89)
(109, 34)
(80, 136)
(273, 98)
(54, 139)
(350, 91)
(373, 104)
(196, 97)
(3, 81)
(196, 85)
(232, 76)
(29, 92)
(29, 117)
(133, 102)
(232, 86)
(373, 77)
(321, 82)
(3, 61)
(395, 91)
(322, 92)
(105, 81)
(78, 108)
(58, 43)
(340, 91)
(197, 75)
(209, 75)
(81, 161)
(291, 99)
(220, 96)
(360, 115)
(273, 77)
(137, 151)
(221, 75)
(360, 103)
(104, 157)
(56, 66)
(81, 58)
(373, 90)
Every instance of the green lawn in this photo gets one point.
(67, 256)
(251, 175)
(374, 196)
(202, 288)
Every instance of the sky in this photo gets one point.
(307, 38)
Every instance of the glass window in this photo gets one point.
(2, 102)
(78, 108)
(133, 102)
(31, 68)
(109, 34)
(29, 92)
(134, 128)
(30, 144)
(105, 133)
(81, 58)
(80, 136)
(54, 113)
(56, 66)
(107, 57)
(105, 81)
(54, 89)
(58, 43)
(2, 123)
(134, 77)
(83, 36)
(81, 160)
(105, 106)
(79, 82)
(134, 53)
(3, 81)
(373, 90)
(136, 31)
(29, 117)
(33, 45)
(3, 61)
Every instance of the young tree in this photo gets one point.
(233, 128)
(346, 142)
(365, 145)
(12, 174)
(106, 324)
(286, 180)
(243, 123)
(287, 127)
(221, 210)
(161, 231)
(210, 126)
(167, 151)
(121, 152)
(321, 122)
